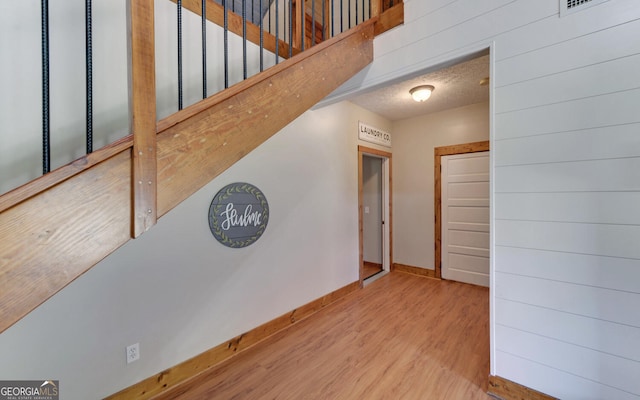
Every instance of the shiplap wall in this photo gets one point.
(566, 190)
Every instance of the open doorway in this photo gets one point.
(374, 198)
(372, 218)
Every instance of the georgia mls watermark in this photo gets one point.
(29, 390)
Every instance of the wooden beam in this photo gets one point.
(54, 237)
(232, 123)
(143, 115)
(215, 14)
(180, 373)
(376, 8)
(390, 18)
(296, 19)
(53, 178)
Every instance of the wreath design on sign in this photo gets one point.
(248, 225)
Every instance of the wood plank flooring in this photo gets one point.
(370, 269)
(402, 337)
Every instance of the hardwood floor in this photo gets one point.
(370, 269)
(402, 337)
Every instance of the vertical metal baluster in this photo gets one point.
(244, 39)
(46, 151)
(341, 16)
(356, 1)
(277, 33)
(313, 22)
(369, 9)
(332, 15)
(179, 4)
(253, 12)
(349, 15)
(261, 39)
(89, 73)
(324, 4)
(269, 18)
(290, 28)
(302, 32)
(204, 49)
(226, 43)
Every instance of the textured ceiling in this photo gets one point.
(455, 86)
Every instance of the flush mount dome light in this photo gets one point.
(421, 93)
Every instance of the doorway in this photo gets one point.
(465, 218)
(476, 264)
(374, 200)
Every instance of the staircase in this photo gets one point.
(56, 227)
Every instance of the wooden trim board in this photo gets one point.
(59, 175)
(438, 153)
(508, 390)
(186, 370)
(389, 19)
(55, 236)
(142, 80)
(428, 273)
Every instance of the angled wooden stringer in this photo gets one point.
(57, 227)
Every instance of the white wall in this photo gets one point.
(178, 292)
(414, 140)
(566, 158)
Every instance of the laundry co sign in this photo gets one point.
(373, 135)
(238, 215)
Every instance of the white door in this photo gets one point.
(465, 218)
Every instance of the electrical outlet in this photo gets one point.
(133, 353)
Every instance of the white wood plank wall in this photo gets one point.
(566, 147)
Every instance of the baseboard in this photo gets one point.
(508, 390)
(175, 375)
(429, 273)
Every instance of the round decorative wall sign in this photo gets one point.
(238, 215)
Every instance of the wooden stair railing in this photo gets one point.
(389, 14)
(215, 14)
(57, 227)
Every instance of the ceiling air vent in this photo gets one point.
(571, 6)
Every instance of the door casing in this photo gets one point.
(438, 153)
(387, 253)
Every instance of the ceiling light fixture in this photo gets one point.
(421, 93)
